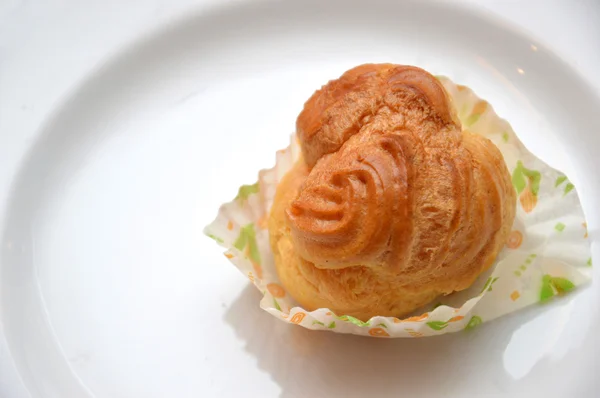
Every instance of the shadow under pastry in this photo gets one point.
(320, 364)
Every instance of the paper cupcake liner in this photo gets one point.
(547, 253)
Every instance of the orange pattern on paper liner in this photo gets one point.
(229, 255)
(528, 200)
(480, 107)
(251, 277)
(527, 183)
(515, 239)
(262, 222)
(586, 231)
(257, 270)
(514, 296)
(414, 333)
(378, 332)
(456, 318)
(476, 113)
(415, 318)
(276, 290)
(298, 317)
(229, 225)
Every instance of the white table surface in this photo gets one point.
(46, 48)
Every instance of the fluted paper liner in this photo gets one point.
(547, 254)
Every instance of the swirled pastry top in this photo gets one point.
(394, 183)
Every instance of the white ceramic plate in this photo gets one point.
(108, 287)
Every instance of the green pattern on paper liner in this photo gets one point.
(505, 136)
(331, 325)
(527, 183)
(524, 178)
(437, 325)
(472, 119)
(479, 108)
(488, 284)
(568, 187)
(440, 325)
(523, 267)
(552, 285)
(318, 323)
(463, 112)
(246, 190)
(589, 262)
(474, 322)
(351, 319)
(215, 238)
(560, 180)
(559, 227)
(276, 305)
(247, 240)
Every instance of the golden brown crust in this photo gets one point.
(392, 203)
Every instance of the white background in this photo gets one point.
(47, 48)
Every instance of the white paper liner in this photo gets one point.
(547, 254)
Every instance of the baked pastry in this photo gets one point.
(392, 203)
